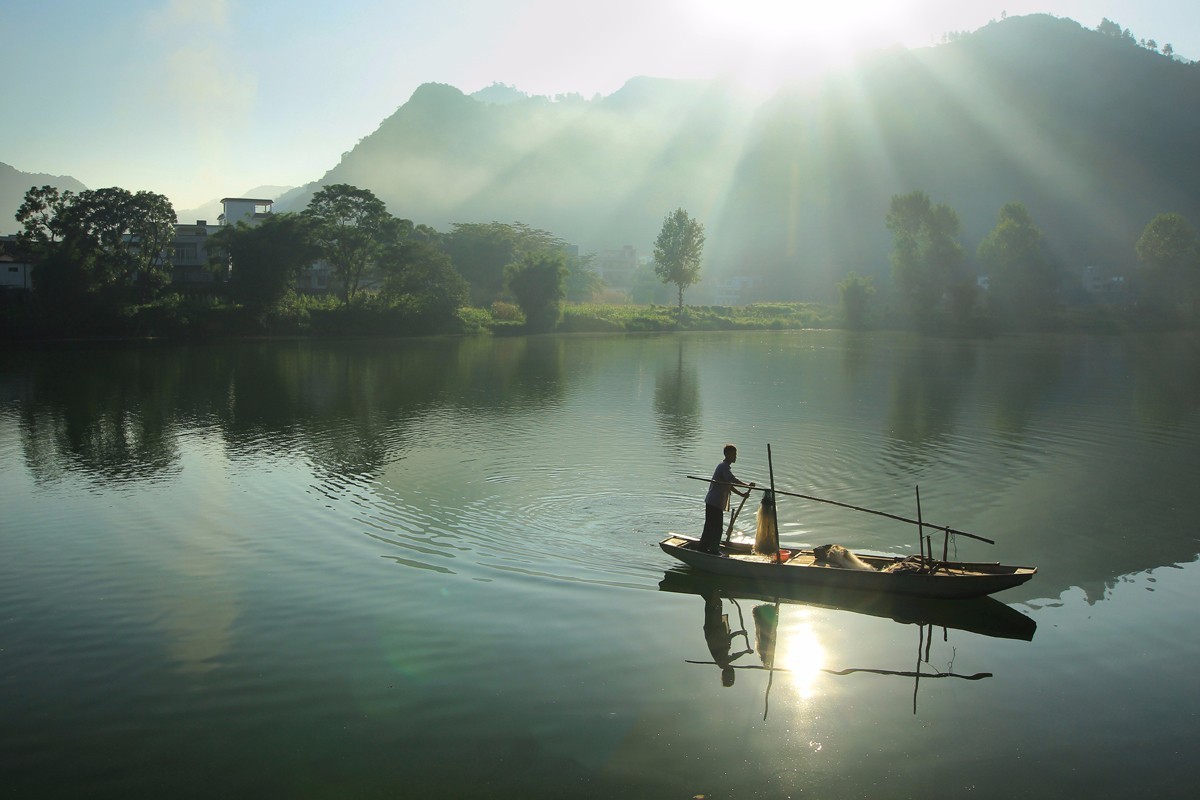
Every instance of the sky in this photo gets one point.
(203, 99)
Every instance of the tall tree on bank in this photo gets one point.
(537, 281)
(1170, 254)
(481, 253)
(1020, 276)
(678, 250)
(420, 279)
(856, 291)
(927, 260)
(103, 248)
(265, 259)
(351, 226)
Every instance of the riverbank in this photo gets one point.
(206, 318)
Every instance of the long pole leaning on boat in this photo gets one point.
(896, 517)
(774, 504)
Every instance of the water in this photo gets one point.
(430, 568)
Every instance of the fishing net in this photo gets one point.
(766, 537)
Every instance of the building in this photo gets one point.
(244, 209)
(616, 267)
(190, 258)
(1104, 287)
(735, 290)
(15, 268)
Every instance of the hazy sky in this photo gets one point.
(201, 99)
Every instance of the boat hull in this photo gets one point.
(953, 580)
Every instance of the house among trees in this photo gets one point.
(735, 290)
(1104, 287)
(190, 259)
(617, 267)
(15, 267)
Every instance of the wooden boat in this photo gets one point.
(803, 568)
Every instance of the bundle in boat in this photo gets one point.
(766, 536)
(837, 556)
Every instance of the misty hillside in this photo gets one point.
(1094, 134)
(13, 186)
(598, 173)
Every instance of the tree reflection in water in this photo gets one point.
(677, 402)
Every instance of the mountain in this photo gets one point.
(499, 94)
(1093, 133)
(13, 186)
(600, 173)
(213, 209)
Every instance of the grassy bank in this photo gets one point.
(208, 317)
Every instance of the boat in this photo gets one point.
(833, 566)
(914, 576)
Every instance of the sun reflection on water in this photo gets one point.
(794, 647)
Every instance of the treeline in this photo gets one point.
(103, 267)
(1019, 283)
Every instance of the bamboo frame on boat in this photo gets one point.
(896, 517)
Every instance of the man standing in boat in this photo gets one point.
(717, 500)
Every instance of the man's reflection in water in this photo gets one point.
(720, 637)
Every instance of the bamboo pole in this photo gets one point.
(733, 519)
(896, 517)
(774, 504)
(920, 530)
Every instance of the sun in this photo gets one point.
(782, 21)
(771, 41)
(803, 655)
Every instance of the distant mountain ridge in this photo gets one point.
(14, 184)
(1094, 134)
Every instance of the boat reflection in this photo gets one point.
(801, 655)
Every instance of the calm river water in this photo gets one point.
(431, 569)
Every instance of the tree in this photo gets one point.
(482, 251)
(104, 248)
(351, 227)
(582, 282)
(421, 279)
(927, 259)
(677, 251)
(1170, 254)
(647, 288)
(40, 214)
(537, 283)
(1020, 276)
(265, 258)
(856, 291)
